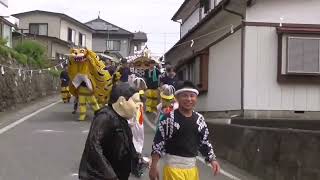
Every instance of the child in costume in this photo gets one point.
(137, 127)
(168, 102)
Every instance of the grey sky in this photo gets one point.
(150, 16)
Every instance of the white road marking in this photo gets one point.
(12, 125)
(225, 173)
(85, 131)
(74, 174)
(47, 131)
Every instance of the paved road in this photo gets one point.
(49, 145)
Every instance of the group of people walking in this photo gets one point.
(115, 141)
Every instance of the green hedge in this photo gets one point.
(35, 53)
(28, 53)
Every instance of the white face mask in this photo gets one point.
(130, 108)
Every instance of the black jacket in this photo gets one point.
(109, 150)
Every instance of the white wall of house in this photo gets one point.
(98, 44)
(58, 48)
(190, 22)
(224, 92)
(216, 28)
(53, 23)
(64, 33)
(261, 89)
(292, 11)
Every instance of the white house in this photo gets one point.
(252, 58)
(56, 31)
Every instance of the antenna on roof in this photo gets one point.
(99, 15)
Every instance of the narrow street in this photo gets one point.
(48, 145)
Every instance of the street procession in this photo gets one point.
(120, 96)
(160, 90)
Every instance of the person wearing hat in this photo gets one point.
(109, 150)
(168, 102)
(153, 81)
(181, 135)
(65, 80)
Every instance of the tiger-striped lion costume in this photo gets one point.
(89, 81)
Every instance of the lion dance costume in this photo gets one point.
(90, 82)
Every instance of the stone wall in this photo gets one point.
(17, 90)
(269, 153)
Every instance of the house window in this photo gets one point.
(303, 55)
(71, 35)
(196, 70)
(298, 54)
(38, 29)
(82, 40)
(113, 45)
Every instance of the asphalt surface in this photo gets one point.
(49, 144)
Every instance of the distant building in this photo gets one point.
(113, 39)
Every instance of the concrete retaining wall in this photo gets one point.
(24, 90)
(269, 153)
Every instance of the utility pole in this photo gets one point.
(108, 36)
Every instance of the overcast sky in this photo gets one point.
(150, 16)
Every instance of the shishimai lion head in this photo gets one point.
(79, 55)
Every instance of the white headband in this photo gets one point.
(186, 89)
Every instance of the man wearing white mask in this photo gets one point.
(109, 150)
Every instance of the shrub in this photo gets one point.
(35, 53)
(3, 42)
(20, 58)
(4, 51)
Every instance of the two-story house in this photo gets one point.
(56, 31)
(113, 39)
(251, 58)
